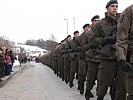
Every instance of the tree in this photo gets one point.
(50, 44)
(31, 42)
(41, 43)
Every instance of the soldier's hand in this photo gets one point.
(125, 66)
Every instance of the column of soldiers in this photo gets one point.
(101, 55)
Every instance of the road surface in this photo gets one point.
(38, 82)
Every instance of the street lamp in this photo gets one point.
(74, 22)
(67, 25)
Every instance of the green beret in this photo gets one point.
(95, 17)
(111, 2)
(68, 36)
(76, 32)
(86, 25)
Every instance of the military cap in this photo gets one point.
(86, 25)
(95, 17)
(62, 41)
(76, 32)
(68, 36)
(111, 2)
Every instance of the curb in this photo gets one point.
(7, 78)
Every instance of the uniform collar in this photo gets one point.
(112, 19)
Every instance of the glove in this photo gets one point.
(125, 66)
(110, 40)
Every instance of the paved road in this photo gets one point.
(37, 82)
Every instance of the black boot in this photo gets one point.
(76, 76)
(88, 95)
(62, 78)
(82, 88)
(99, 98)
(66, 80)
(78, 86)
(71, 84)
(112, 92)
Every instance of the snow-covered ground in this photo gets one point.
(16, 63)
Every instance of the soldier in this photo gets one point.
(125, 47)
(55, 59)
(62, 57)
(73, 55)
(92, 63)
(82, 62)
(105, 39)
(67, 60)
(59, 59)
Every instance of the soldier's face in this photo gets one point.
(95, 21)
(69, 38)
(87, 29)
(76, 35)
(112, 9)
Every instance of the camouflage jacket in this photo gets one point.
(89, 52)
(74, 43)
(125, 35)
(104, 28)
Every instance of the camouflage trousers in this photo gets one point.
(107, 72)
(130, 85)
(62, 68)
(67, 63)
(91, 74)
(73, 68)
(82, 70)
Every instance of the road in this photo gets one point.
(38, 82)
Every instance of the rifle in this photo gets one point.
(110, 39)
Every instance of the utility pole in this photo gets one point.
(74, 22)
(67, 25)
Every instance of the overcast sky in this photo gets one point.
(21, 20)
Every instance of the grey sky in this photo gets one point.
(32, 19)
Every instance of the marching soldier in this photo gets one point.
(108, 70)
(125, 47)
(82, 62)
(67, 60)
(73, 55)
(92, 63)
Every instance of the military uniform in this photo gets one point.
(125, 44)
(67, 62)
(62, 59)
(82, 70)
(108, 71)
(74, 60)
(92, 63)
